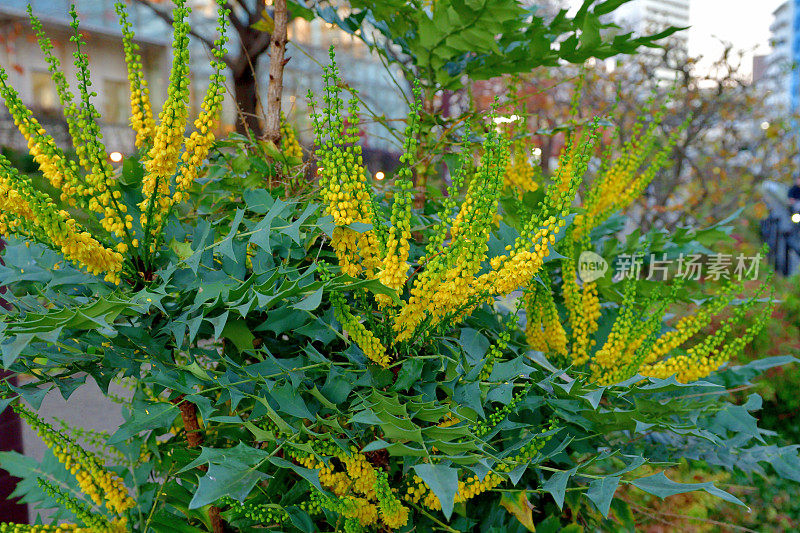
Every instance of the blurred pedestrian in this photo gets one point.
(794, 195)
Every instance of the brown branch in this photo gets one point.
(169, 20)
(237, 23)
(276, 63)
(194, 438)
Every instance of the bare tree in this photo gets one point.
(252, 44)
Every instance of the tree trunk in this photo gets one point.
(194, 438)
(245, 91)
(277, 49)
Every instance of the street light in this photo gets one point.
(379, 175)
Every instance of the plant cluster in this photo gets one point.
(350, 364)
(120, 246)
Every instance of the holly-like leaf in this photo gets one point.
(557, 485)
(443, 481)
(601, 492)
(660, 485)
(517, 504)
(239, 334)
(231, 478)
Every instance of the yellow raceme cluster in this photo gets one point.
(623, 180)
(90, 183)
(100, 485)
(372, 347)
(56, 168)
(199, 142)
(635, 343)
(342, 181)
(165, 157)
(521, 176)
(363, 492)
(142, 120)
(691, 324)
(543, 329)
(165, 153)
(449, 283)
(290, 146)
(613, 361)
(418, 491)
(24, 208)
(100, 180)
(714, 350)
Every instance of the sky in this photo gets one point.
(744, 23)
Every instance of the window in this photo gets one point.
(44, 91)
(116, 97)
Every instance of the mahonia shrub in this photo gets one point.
(304, 366)
(565, 324)
(126, 241)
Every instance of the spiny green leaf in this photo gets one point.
(443, 481)
(601, 492)
(661, 486)
(231, 478)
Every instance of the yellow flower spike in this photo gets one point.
(624, 179)
(394, 268)
(364, 339)
(289, 143)
(163, 156)
(72, 114)
(544, 331)
(100, 485)
(714, 350)
(141, 110)
(520, 174)
(586, 323)
(57, 169)
(200, 141)
(690, 325)
(343, 187)
(609, 361)
(100, 179)
(35, 214)
(448, 285)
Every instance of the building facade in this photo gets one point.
(650, 16)
(24, 62)
(383, 91)
(655, 15)
(644, 17)
(784, 58)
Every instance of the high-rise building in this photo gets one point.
(650, 16)
(783, 60)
